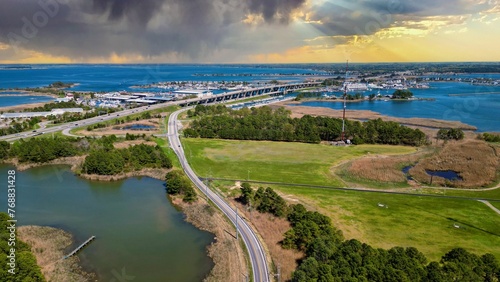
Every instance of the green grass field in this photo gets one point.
(422, 222)
(275, 161)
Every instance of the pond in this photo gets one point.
(446, 174)
(406, 171)
(139, 127)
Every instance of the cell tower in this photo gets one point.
(342, 136)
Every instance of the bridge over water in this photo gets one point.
(273, 90)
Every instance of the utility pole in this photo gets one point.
(342, 136)
(278, 274)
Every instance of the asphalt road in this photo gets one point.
(253, 245)
(66, 127)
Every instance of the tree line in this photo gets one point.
(329, 257)
(102, 157)
(111, 161)
(265, 123)
(56, 105)
(17, 127)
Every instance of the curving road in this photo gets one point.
(255, 249)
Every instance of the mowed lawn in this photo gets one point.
(422, 222)
(276, 161)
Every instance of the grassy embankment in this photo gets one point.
(276, 161)
(422, 222)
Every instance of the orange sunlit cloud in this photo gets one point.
(302, 31)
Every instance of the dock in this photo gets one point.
(79, 247)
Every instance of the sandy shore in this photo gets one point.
(48, 245)
(20, 108)
(28, 93)
(299, 111)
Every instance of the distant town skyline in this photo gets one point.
(248, 31)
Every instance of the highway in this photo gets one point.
(218, 98)
(255, 250)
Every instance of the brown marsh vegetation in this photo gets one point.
(382, 168)
(475, 161)
(271, 230)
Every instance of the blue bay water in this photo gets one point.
(7, 100)
(121, 77)
(476, 105)
(479, 109)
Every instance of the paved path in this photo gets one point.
(490, 205)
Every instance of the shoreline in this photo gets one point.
(22, 107)
(340, 100)
(361, 115)
(227, 264)
(48, 245)
(77, 161)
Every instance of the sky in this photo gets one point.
(248, 31)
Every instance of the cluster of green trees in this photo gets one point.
(26, 268)
(264, 200)
(111, 161)
(202, 110)
(96, 126)
(356, 96)
(333, 81)
(306, 95)
(72, 117)
(328, 257)
(40, 150)
(311, 232)
(450, 134)
(177, 183)
(488, 137)
(60, 84)
(4, 150)
(56, 105)
(144, 115)
(402, 94)
(355, 261)
(16, 127)
(129, 136)
(276, 125)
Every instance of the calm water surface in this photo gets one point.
(475, 105)
(137, 228)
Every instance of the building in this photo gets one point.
(54, 112)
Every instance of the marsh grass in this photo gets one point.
(476, 162)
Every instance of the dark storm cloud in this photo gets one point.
(97, 28)
(134, 10)
(363, 17)
(274, 10)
